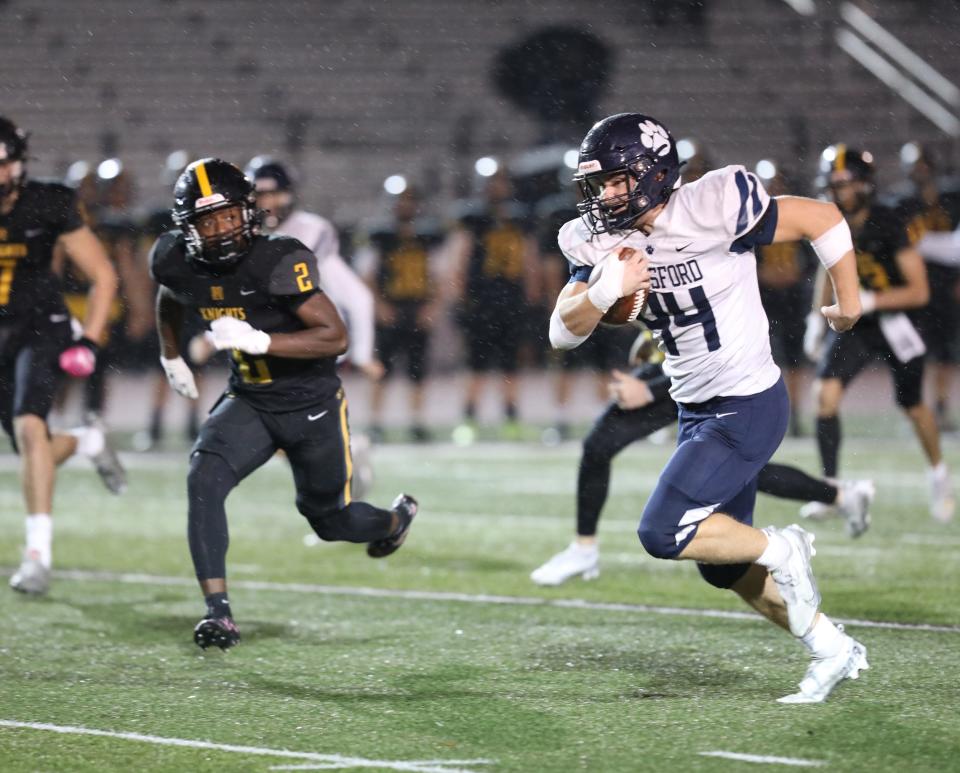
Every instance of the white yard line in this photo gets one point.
(472, 598)
(327, 761)
(765, 759)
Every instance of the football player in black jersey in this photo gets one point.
(893, 283)
(36, 343)
(261, 297)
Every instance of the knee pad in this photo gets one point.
(722, 575)
(210, 475)
(658, 542)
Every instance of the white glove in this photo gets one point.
(180, 377)
(233, 333)
(606, 282)
(813, 336)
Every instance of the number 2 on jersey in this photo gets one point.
(302, 270)
(702, 316)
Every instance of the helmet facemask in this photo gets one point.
(221, 249)
(618, 213)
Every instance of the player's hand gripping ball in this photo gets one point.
(79, 360)
(628, 308)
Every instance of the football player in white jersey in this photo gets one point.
(276, 195)
(692, 249)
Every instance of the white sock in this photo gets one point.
(586, 548)
(40, 537)
(90, 440)
(777, 551)
(939, 471)
(824, 639)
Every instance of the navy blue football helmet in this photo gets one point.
(206, 186)
(637, 146)
(271, 176)
(13, 150)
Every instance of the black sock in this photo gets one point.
(218, 605)
(828, 439)
(511, 411)
(470, 412)
(781, 480)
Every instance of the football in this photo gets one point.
(628, 308)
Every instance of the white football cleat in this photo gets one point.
(942, 501)
(823, 674)
(818, 511)
(32, 577)
(794, 579)
(576, 560)
(856, 496)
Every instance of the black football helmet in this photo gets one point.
(840, 165)
(206, 186)
(271, 176)
(13, 151)
(631, 144)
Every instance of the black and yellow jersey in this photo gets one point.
(403, 273)
(41, 214)
(877, 243)
(265, 288)
(499, 250)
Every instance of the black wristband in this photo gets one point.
(93, 346)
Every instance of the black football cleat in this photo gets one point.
(406, 507)
(219, 632)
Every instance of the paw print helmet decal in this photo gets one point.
(630, 144)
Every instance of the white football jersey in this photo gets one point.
(346, 290)
(704, 308)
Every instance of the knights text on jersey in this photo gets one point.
(704, 307)
(42, 212)
(265, 289)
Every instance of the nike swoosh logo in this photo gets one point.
(317, 416)
(721, 415)
(59, 317)
(681, 249)
(246, 292)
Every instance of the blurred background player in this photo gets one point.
(158, 221)
(395, 261)
(927, 209)
(261, 296)
(107, 198)
(893, 283)
(641, 405)
(495, 259)
(276, 195)
(37, 344)
(784, 271)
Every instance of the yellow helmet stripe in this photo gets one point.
(201, 172)
(840, 163)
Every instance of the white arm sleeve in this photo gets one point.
(942, 248)
(560, 336)
(354, 301)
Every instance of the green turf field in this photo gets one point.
(445, 657)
